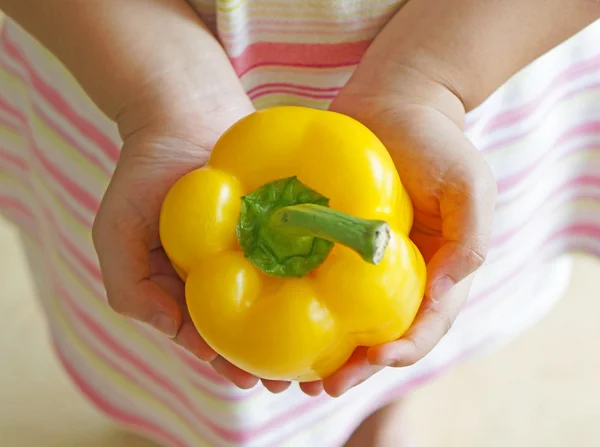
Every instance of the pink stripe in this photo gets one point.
(70, 209)
(76, 191)
(563, 195)
(340, 30)
(96, 289)
(14, 128)
(58, 102)
(588, 128)
(10, 125)
(88, 155)
(311, 404)
(290, 86)
(329, 97)
(514, 115)
(591, 230)
(18, 213)
(22, 221)
(501, 144)
(91, 267)
(10, 108)
(113, 411)
(198, 366)
(220, 396)
(11, 202)
(14, 160)
(583, 180)
(564, 192)
(51, 124)
(65, 204)
(299, 55)
(343, 22)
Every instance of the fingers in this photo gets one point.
(240, 378)
(123, 251)
(276, 386)
(356, 370)
(433, 322)
(188, 336)
(165, 276)
(467, 206)
(245, 380)
(189, 339)
(312, 388)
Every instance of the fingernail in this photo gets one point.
(164, 324)
(440, 287)
(386, 362)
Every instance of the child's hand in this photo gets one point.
(453, 193)
(139, 279)
(432, 61)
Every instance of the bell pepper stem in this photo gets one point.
(368, 238)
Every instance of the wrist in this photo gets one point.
(473, 47)
(372, 91)
(132, 55)
(183, 100)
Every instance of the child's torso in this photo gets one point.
(290, 51)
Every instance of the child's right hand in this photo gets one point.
(160, 146)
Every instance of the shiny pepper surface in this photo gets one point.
(293, 243)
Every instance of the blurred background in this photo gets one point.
(539, 391)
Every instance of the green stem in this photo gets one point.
(369, 238)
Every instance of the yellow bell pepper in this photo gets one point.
(293, 243)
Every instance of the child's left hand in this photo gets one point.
(431, 62)
(453, 193)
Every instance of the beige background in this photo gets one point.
(541, 390)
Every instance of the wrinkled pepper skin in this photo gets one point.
(303, 328)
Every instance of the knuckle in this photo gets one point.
(471, 254)
(419, 351)
(442, 320)
(117, 302)
(476, 256)
(445, 323)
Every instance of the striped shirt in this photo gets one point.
(540, 133)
